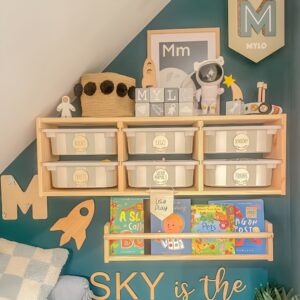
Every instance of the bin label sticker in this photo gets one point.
(81, 177)
(160, 143)
(80, 143)
(241, 176)
(160, 176)
(241, 142)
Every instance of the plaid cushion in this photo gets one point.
(28, 273)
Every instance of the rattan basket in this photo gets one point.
(111, 105)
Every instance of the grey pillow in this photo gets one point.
(71, 287)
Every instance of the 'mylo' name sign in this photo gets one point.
(256, 27)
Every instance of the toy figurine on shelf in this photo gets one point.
(236, 106)
(261, 107)
(149, 77)
(209, 75)
(65, 107)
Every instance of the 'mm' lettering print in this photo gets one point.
(261, 20)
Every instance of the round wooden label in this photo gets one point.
(80, 143)
(241, 142)
(241, 176)
(160, 176)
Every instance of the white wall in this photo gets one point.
(44, 48)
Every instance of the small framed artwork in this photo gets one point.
(174, 53)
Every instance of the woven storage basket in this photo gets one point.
(111, 105)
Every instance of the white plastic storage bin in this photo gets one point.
(153, 174)
(239, 173)
(83, 141)
(85, 174)
(239, 139)
(176, 140)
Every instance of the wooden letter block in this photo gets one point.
(142, 109)
(157, 109)
(186, 95)
(235, 108)
(171, 95)
(13, 197)
(157, 95)
(171, 109)
(186, 109)
(142, 95)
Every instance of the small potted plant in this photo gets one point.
(272, 292)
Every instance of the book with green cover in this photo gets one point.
(212, 218)
(126, 216)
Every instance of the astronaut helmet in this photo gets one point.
(210, 72)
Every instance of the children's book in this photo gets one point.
(179, 221)
(212, 218)
(249, 217)
(126, 216)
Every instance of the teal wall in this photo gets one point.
(275, 70)
(295, 144)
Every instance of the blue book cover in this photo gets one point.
(177, 222)
(249, 217)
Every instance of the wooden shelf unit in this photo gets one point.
(44, 154)
(268, 235)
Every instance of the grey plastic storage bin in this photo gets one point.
(239, 139)
(85, 174)
(83, 141)
(171, 140)
(239, 173)
(154, 174)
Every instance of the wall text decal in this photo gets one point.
(212, 288)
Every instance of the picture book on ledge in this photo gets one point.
(249, 217)
(212, 218)
(127, 216)
(179, 221)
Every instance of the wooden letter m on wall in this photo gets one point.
(13, 197)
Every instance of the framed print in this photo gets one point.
(174, 53)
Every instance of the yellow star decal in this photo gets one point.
(229, 80)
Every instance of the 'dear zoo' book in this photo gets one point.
(212, 218)
(249, 217)
(177, 222)
(127, 216)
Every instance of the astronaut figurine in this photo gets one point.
(209, 74)
(65, 107)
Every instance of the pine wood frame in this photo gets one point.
(268, 235)
(44, 154)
